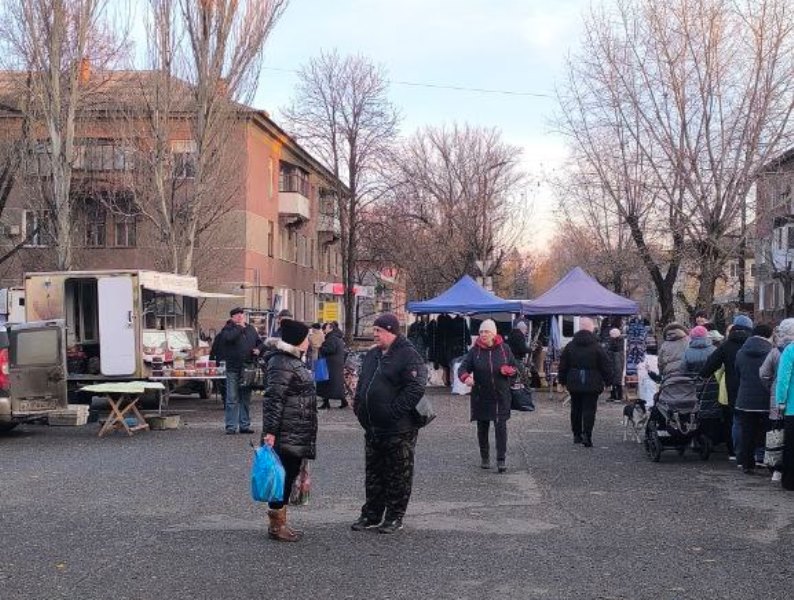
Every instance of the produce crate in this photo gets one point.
(73, 416)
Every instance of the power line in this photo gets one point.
(442, 86)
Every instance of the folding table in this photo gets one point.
(123, 397)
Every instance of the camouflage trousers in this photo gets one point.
(389, 475)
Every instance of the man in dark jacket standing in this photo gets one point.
(584, 370)
(391, 384)
(517, 340)
(752, 401)
(239, 343)
(725, 356)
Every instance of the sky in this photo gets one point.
(511, 45)
(517, 46)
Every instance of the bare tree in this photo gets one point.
(458, 196)
(675, 107)
(341, 112)
(57, 43)
(204, 61)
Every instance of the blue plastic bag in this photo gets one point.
(321, 370)
(267, 476)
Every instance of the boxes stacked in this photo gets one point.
(72, 416)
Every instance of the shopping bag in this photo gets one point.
(302, 486)
(252, 376)
(423, 413)
(321, 370)
(458, 387)
(521, 399)
(267, 476)
(435, 377)
(773, 453)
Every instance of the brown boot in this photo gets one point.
(278, 528)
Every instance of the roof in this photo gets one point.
(579, 294)
(466, 297)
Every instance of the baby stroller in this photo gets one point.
(674, 421)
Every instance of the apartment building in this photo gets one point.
(275, 242)
(774, 250)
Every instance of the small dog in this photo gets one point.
(635, 416)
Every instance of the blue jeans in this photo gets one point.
(238, 403)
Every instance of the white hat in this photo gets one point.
(488, 325)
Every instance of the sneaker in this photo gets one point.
(231, 431)
(247, 430)
(731, 457)
(747, 471)
(577, 439)
(391, 526)
(485, 463)
(501, 467)
(587, 441)
(363, 523)
(777, 476)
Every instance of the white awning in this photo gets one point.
(217, 295)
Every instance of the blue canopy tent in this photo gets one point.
(466, 297)
(579, 294)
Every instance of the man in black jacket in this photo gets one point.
(725, 356)
(584, 370)
(517, 340)
(238, 343)
(391, 384)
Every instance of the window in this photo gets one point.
(271, 234)
(184, 153)
(293, 179)
(40, 163)
(124, 231)
(752, 270)
(103, 155)
(790, 237)
(35, 348)
(734, 270)
(37, 227)
(311, 253)
(95, 224)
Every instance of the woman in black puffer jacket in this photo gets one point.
(289, 416)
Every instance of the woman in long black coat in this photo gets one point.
(333, 351)
(489, 368)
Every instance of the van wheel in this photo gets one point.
(7, 427)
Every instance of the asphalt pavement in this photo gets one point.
(167, 514)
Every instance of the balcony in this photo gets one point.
(293, 208)
(329, 229)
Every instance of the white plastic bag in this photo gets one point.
(458, 387)
(435, 377)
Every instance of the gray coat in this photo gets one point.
(671, 352)
(768, 373)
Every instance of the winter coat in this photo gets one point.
(585, 367)
(333, 351)
(493, 368)
(708, 389)
(768, 373)
(725, 356)
(617, 359)
(752, 395)
(784, 390)
(237, 344)
(417, 335)
(390, 386)
(671, 352)
(518, 344)
(289, 406)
